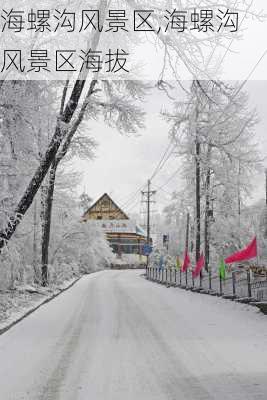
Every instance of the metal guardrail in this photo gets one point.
(239, 285)
(259, 290)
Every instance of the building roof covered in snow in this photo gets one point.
(122, 232)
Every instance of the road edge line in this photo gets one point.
(35, 308)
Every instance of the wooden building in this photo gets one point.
(124, 236)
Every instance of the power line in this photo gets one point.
(249, 75)
(160, 165)
(147, 198)
(133, 205)
(164, 191)
(130, 198)
(169, 179)
(169, 150)
(162, 162)
(164, 159)
(239, 89)
(125, 199)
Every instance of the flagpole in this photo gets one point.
(210, 277)
(187, 243)
(187, 232)
(257, 247)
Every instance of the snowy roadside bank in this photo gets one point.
(15, 305)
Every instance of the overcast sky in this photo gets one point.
(123, 164)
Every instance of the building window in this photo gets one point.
(99, 217)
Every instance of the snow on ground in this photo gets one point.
(14, 304)
(115, 335)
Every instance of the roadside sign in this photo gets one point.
(147, 250)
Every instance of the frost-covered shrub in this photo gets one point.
(59, 273)
(10, 267)
(85, 245)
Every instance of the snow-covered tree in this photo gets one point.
(78, 91)
(214, 133)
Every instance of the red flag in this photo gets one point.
(249, 252)
(199, 266)
(186, 262)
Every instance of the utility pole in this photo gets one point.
(187, 232)
(148, 200)
(187, 243)
(265, 222)
(239, 194)
(148, 211)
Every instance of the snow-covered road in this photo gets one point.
(116, 336)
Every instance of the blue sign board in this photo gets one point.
(147, 250)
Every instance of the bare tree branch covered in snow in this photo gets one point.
(220, 127)
(37, 146)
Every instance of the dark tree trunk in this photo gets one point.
(34, 247)
(239, 192)
(198, 200)
(57, 139)
(46, 228)
(187, 233)
(48, 200)
(44, 166)
(207, 220)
